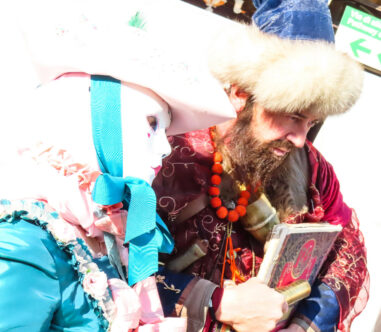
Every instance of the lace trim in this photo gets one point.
(40, 214)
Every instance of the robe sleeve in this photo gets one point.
(39, 286)
(320, 311)
(345, 270)
(29, 286)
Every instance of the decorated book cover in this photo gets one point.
(296, 252)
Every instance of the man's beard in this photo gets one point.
(250, 161)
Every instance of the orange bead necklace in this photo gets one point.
(222, 211)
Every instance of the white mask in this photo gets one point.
(145, 118)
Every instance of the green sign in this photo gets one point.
(362, 22)
(359, 35)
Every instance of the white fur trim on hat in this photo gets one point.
(286, 75)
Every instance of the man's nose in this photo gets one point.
(298, 137)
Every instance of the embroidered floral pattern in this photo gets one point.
(161, 280)
(348, 269)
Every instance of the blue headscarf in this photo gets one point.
(295, 19)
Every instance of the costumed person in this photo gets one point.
(283, 76)
(79, 231)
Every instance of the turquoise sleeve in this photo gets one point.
(29, 287)
(39, 287)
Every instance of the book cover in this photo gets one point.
(296, 252)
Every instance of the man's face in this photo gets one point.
(270, 127)
(260, 141)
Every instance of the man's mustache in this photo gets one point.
(284, 144)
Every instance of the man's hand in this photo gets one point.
(293, 328)
(251, 306)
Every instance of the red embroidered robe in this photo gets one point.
(185, 176)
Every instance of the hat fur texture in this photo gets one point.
(284, 75)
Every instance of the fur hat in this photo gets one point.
(286, 74)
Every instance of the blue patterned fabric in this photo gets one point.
(295, 19)
(321, 307)
(170, 286)
(146, 233)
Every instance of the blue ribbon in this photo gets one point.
(146, 233)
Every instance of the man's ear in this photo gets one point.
(238, 98)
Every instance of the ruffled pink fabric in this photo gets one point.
(140, 308)
(128, 307)
(152, 318)
(55, 177)
(51, 174)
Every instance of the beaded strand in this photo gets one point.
(222, 211)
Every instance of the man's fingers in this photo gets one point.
(284, 307)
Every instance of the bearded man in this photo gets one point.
(281, 81)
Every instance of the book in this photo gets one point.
(296, 252)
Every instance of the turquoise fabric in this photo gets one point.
(146, 233)
(40, 289)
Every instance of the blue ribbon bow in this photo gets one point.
(146, 233)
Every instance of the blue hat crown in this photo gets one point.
(295, 19)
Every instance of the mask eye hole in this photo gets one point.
(152, 121)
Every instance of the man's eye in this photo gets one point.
(313, 123)
(294, 117)
(152, 121)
